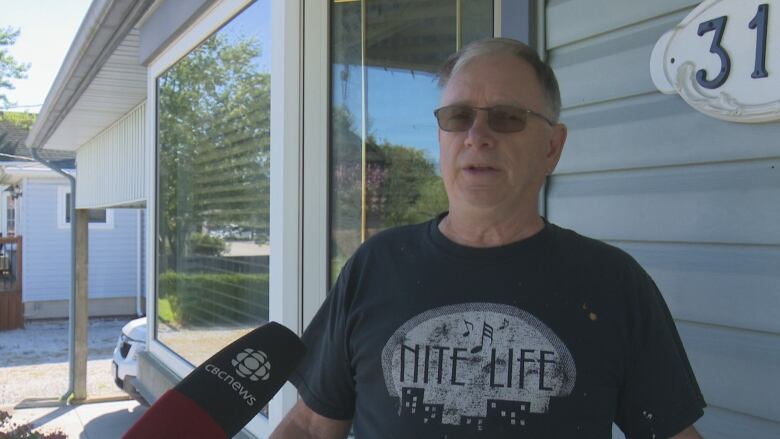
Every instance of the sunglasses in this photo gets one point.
(501, 118)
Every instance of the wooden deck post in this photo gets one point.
(82, 310)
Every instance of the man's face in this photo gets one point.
(487, 171)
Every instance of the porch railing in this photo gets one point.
(11, 307)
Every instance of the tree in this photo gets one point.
(214, 119)
(9, 67)
(14, 127)
(401, 186)
(407, 190)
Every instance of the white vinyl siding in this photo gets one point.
(111, 165)
(694, 199)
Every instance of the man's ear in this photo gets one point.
(557, 140)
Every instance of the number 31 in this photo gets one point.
(718, 25)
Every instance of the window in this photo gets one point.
(384, 167)
(10, 216)
(98, 218)
(213, 188)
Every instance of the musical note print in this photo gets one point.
(469, 327)
(504, 324)
(487, 332)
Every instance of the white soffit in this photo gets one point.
(100, 79)
(119, 86)
(16, 171)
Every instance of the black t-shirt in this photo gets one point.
(554, 336)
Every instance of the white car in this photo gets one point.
(124, 365)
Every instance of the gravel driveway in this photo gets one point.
(34, 360)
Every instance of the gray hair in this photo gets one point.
(506, 46)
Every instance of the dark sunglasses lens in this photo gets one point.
(507, 119)
(455, 118)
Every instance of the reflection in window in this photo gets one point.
(384, 167)
(213, 189)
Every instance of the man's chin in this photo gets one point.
(490, 199)
(482, 200)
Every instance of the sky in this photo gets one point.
(399, 103)
(47, 30)
(49, 26)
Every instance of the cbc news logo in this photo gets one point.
(252, 364)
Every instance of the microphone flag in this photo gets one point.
(219, 397)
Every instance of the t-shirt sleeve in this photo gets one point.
(324, 378)
(660, 396)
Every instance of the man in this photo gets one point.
(488, 321)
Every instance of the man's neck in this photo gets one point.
(489, 230)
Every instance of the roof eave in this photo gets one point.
(105, 25)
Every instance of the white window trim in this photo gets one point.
(286, 173)
(62, 191)
(4, 212)
(21, 212)
(284, 282)
(497, 22)
(316, 112)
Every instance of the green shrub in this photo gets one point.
(209, 299)
(10, 430)
(205, 244)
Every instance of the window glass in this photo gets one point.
(384, 167)
(10, 215)
(96, 216)
(213, 144)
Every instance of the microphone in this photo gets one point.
(219, 397)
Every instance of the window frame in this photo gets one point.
(285, 266)
(316, 114)
(63, 223)
(6, 218)
(316, 155)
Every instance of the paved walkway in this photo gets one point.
(33, 366)
(98, 420)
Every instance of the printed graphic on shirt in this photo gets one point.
(477, 365)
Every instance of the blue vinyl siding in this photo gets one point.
(113, 253)
(694, 199)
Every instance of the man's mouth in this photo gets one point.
(480, 168)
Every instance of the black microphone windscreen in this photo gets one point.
(233, 385)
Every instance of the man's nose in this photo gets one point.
(480, 134)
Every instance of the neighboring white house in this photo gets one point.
(36, 201)
(272, 165)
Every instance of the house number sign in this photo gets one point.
(724, 60)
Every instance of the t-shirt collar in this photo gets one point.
(530, 244)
